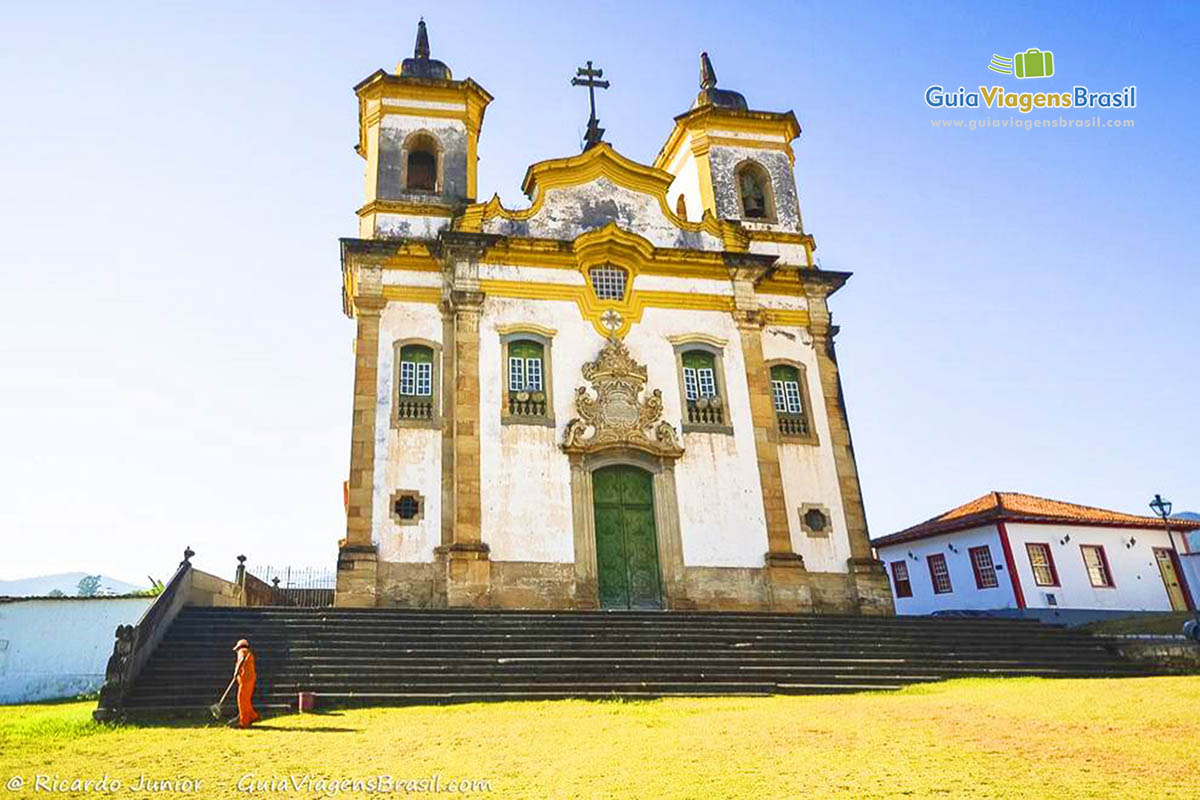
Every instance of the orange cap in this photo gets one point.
(241, 643)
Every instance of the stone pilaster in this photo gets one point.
(766, 442)
(356, 570)
(866, 572)
(464, 559)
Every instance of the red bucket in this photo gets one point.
(305, 701)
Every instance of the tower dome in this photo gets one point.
(710, 95)
(421, 65)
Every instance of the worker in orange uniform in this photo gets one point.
(246, 677)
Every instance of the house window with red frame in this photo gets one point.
(1041, 561)
(900, 579)
(1097, 566)
(985, 568)
(939, 574)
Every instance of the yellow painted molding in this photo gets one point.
(405, 207)
(591, 164)
(783, 237)
(795, 318)
(697, 338)
(593, 309)
(526, 327)
(707, 119)
(413, 294)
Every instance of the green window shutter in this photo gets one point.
(782, 372)
(698, 359)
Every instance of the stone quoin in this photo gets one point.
(624, 395)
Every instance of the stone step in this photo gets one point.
(657, 618)
(397, 656)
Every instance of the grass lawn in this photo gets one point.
(1128, 738)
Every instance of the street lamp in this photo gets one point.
(1162, 508)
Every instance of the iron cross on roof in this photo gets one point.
(586, 76)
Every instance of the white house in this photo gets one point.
(1015, 551)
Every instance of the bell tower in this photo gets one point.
(735, 163)
(419, 133)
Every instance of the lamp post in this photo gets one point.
(1162, 508)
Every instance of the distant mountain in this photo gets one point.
(1186, 515)
(65, 582)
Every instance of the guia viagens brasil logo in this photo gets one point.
(1031, 63)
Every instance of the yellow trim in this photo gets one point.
(405, 207)
(413, 294)
(708, 119)
(526, 327)
(796, 318)
(784, 237)
(593, 309)
(418, 111)
(697, 338)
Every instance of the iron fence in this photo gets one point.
(300, 587)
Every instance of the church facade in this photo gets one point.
(623, 395)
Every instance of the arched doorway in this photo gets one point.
(628, 574)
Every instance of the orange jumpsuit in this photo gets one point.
(246, 678)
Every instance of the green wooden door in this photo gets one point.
(626, 545)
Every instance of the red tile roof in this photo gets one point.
(1017, 507)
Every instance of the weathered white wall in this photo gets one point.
(1139, 585)
(724, 160)
(451, 134)
(809, 471)
(393, 226)
(571, 210)
(788, 253)
(526, 505)
(962, 575)
(59, 648)
(406, 458)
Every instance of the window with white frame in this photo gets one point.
(608, 282)
(1042, 564)
(939, 574)
(985, 568)
(900, 579)
(788, 397)
(415, 379)
(527, 396)
(701, 390)
(1097, 566)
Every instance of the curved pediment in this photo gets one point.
(575, 195)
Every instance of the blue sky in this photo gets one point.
(176, 368)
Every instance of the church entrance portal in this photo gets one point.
(626, 543)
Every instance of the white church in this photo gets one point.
(623, 395)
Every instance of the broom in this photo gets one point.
(215, 708)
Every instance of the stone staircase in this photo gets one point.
(395, 657)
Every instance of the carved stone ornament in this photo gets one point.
(617, 416)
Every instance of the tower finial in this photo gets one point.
(422, 48)
(708, 75)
